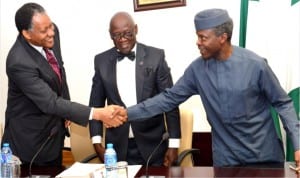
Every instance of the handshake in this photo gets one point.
(111, 116)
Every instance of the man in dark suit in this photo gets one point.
(38, 103)
(125, 82)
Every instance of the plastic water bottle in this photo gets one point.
(6, 165)
(110, 161)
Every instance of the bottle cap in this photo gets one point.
(109, 145)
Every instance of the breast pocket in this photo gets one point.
(149, 82)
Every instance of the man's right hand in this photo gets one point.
(100, 150)
(111, 116)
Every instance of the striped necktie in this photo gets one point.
(53, 62)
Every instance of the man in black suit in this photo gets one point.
(38, 103)
(129, 81)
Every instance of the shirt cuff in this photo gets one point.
(174, 143)
(96, 139)
(91, 114)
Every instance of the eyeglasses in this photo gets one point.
(117, 36)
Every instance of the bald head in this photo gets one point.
(121, 19)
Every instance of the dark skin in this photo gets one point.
(123, 32)
(213, 46)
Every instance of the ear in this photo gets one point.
(135, 28)
(26, 34)
(224, 37)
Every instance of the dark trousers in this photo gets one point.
(134, 156)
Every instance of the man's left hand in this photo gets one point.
(170, 156)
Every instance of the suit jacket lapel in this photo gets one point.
(112, 67)
(140, 73)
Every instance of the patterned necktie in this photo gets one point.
(53, 62)
(130, 56)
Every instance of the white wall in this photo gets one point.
(83, 28)
(275, 34)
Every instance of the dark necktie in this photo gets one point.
(53, 62)
(130, 56)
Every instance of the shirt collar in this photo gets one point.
(38, 48)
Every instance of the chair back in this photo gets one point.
(81, 143)
(1, 131)
(186, 121)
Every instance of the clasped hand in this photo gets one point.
(111, 116)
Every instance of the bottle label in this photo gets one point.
(110, 160)
(5, 158)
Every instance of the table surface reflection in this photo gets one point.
(41, 170)
(188, 172)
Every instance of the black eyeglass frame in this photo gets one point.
(127, 35)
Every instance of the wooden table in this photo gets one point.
(191, 172)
